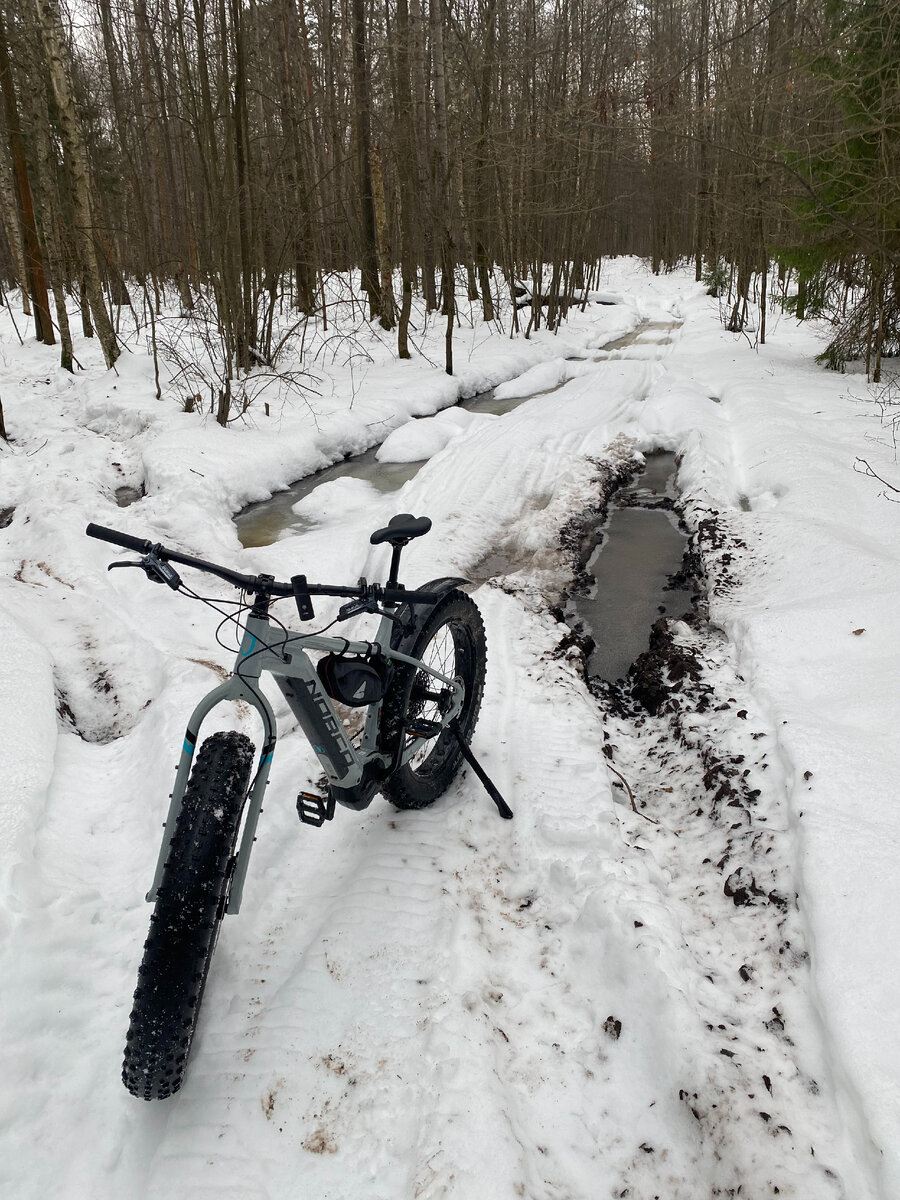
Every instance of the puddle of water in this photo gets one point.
(637, 338)
(261, 524)
(126, 496)
(640, 550)
(490, 567)
(656, 479)
(487, 402)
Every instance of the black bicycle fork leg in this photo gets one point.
(502, 807)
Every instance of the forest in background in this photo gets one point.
(237, 153)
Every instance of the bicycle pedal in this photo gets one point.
(313, 809)
(423, 728)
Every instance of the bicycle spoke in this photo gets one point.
(441, 656)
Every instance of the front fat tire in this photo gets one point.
(454, 623)
(185, 922)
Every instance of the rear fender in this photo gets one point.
(411, 620)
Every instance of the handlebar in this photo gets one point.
(141, 545)
(259, 584)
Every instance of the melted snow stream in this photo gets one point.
(264, 522)
(638, 550)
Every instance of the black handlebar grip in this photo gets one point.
(410, 596)
(141, 545)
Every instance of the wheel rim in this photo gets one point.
(447, 652)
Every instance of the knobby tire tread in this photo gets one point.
(185, 922)
(413, 787)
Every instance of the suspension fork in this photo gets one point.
(233, 689)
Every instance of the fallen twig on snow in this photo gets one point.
(619, 775)
(874, 475)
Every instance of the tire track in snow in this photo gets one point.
(753, 1080)
(312, 1061)
(555, 1023)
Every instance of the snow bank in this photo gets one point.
(422, 439)
(27, 748)
(541, 378)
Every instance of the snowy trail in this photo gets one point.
(442, 1004)
(713, 793)
(431, 988)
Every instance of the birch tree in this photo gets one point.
(77, 171)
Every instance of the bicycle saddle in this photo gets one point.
(401, 529)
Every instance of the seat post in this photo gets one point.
(396, 547)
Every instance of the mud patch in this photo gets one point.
(703, 767)
(663, 667)
(90, 707)
(320, 1142)
(546, 565)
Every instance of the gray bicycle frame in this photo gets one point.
(268, 648)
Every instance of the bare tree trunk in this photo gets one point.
(9, 214)
(420, 126)
(461, 205)
(50, 25)
(387, 306)
(49, 202)
(404, 140)
(702, 212)
(361, 130)
(292, 50)
(34, 263)
(246, 331)
(483, 174)
(87, 328)
(441, 176)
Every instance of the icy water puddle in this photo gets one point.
(638, 336)
(262, 523)
(126, 496)
(640, 548)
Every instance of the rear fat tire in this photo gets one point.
(451, 640)
(185, 922)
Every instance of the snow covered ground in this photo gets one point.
(694, 999)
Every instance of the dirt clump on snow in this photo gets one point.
(665, 666)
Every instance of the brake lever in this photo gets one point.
(367, 603)
(354, 607)
(154, 568)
